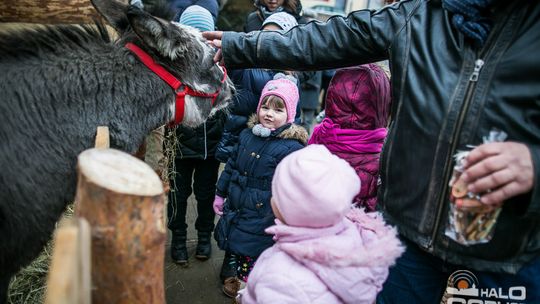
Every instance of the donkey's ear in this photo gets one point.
(154, 32)
(114, 12)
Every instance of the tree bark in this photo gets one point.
(48, 11)
(122, 199)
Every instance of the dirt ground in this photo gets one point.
(199, 282)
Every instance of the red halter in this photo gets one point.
(174, 82)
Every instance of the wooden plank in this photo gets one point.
(48, 11)
(63, 283)
(84, 262)
(102, 137)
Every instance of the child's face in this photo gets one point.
(273, 4)
(271, 116)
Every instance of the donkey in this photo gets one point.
(58, 83)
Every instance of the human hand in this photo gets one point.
(218, 205)
(500, 170)
(214, 39)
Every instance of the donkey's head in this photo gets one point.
(180, 49)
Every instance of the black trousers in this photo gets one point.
(202, 174)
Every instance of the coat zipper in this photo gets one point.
(205, 146)
(473, 79)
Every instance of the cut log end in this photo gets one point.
(119, 172)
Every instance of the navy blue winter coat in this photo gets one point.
(249, 84)
(246, 184)
(179, 6)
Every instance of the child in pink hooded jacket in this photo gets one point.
(325, 252)
(357, 110)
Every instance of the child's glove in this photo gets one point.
(218, 205)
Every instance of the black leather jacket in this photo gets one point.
(446, 94)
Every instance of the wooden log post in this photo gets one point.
(122, 199)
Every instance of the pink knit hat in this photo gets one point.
(314, 188)
(286, 90)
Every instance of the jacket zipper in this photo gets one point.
(473, 79)
(205, 147)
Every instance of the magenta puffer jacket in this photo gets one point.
(344, 263)
(357, 109)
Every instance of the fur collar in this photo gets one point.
(293, 132)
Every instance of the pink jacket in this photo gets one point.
(344, 263)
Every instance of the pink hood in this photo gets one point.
(351, 259)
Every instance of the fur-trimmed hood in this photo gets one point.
(294, 131)
(351, 258)
(344, 263)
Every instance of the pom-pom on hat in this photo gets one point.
(284, 20)
(314, 188)
(198, 17)
(285, 88)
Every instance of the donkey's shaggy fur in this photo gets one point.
(57, 84)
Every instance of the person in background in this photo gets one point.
(265, 8)
(460, 69)
(246, 181)
(195, 167)
(357, 113)
(325, 252)
(309, 99)
(178, 6)
(325, 82)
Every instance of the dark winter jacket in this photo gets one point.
(255, 19)
(200, 142)
(310, 90)
(446, 94)
(178, 6)
(246, 184)
(249, 84)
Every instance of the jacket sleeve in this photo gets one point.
(364, 36)
(534, 203)
(222, 186)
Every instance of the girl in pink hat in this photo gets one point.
(325, 252)
(246, 181)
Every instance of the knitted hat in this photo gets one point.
(198, 17)
(286, 90)
(314, 188)
(284, 20)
